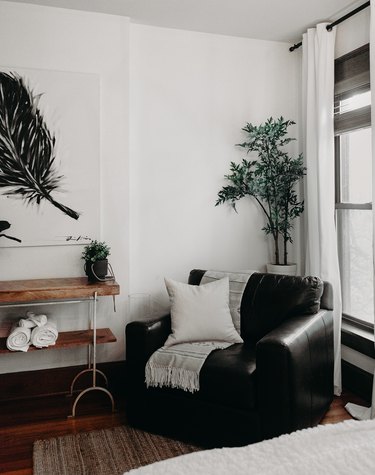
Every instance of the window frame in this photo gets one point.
(345, 66)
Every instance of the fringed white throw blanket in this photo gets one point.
(178, 365)
(237, 284)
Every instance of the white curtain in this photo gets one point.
(356, 411)
(318, 129)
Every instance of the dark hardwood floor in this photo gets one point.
(24, 421)
(337, 411)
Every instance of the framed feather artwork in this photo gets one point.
(49, 156)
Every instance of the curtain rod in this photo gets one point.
(337, 22)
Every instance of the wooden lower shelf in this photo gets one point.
(70, 339)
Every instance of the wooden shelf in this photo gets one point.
(70, 339)
(18, 291)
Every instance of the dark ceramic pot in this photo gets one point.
(97, 270)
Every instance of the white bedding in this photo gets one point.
(335, 449)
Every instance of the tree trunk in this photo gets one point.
(277, 254)
(286, 219)
(285, 251)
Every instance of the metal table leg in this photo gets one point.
(92, 364)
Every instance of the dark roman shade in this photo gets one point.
(352, 76)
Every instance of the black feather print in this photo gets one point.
(27, 147)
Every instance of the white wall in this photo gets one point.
(190, 95)
(66, 40)
(353, 33)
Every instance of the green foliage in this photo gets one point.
(270, 180)
(95, 251)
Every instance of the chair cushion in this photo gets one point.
(270, 299)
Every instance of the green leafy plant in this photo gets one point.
(96, 251)
(270, 180)
(27, 147)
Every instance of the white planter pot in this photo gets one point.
(290, 269)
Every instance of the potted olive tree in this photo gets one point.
(96, 263)
(271, 181)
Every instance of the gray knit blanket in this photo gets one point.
(179, 365)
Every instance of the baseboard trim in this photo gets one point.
(357, 380)
(53, 381)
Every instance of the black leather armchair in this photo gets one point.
(279, 380)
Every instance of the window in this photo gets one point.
(354, 184)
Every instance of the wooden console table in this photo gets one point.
(26, 293)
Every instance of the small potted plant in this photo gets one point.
(271, 181)
(96, 263)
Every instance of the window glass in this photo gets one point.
(356, 267)
(355, 166)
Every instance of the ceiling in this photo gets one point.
(277, 20)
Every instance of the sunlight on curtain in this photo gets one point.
(318, 128)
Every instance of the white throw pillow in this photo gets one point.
(200, 313)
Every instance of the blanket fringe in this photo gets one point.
(164, 376)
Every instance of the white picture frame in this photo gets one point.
(69, 103)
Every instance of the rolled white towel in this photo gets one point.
(33, 320)
(19, 339)
(44, 336)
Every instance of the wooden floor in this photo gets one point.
(23, 422)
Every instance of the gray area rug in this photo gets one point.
(101, 452)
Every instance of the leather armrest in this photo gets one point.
(144, 337)
(295, 373)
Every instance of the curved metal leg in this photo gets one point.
(92, 365)
(85, 391)
(88, 370)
